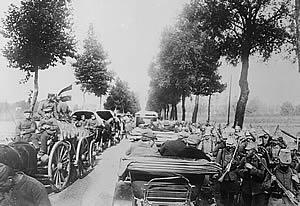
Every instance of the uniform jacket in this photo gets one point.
(142, 149)
(224, 157)
(27, 192)
(50, 124)
(252, 179)
(47, 104)
(285, 177)
(172, 147)
(27, 126)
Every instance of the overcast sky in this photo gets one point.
(129, 31)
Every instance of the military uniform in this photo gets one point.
(25, 129)
(48, 104)
(252, 171)
(287, 176)
(48, 127)
(229, 187)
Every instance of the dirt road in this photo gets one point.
(97, 188)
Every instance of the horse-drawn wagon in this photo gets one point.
(70, 149)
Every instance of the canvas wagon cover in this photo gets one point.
(167, 165)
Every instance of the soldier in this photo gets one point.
(63, 109)
(18, 189)
(230, 185)
(48, 103)
(253, 173)
(82, 122)
(287, 176)
(48, 127)
(25, 130)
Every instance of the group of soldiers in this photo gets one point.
(258, 169)
(48, 112)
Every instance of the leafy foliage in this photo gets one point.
(121, 98)
(287, 109)
(242, 28)
(40, 36)
(91, 67)
(39, 33)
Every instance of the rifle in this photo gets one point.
(288, 134)
(227, 169)
(293, 199)
(265, 131)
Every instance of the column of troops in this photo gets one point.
(259, 169)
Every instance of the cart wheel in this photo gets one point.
(59, 165)
(92, 153)
(82, 157)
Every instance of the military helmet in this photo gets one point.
(285, 156)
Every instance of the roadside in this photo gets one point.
(97, 188)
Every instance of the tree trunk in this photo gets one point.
(183, 108)
(176, 115)
(195, 112)
(297, 16)
(100, 102)
(208, 109)
(172, 112)
(35, 89)
(167, 116)
(243, 83)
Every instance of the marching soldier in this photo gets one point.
(49, 128)
(230, 184)
(287, 177)
(25, 129)
(253, 173)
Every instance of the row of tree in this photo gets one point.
(208, 30)
(40, 36)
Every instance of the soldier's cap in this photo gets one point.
(285, 156)
(5, 172)
(147, 134)
(47, 109)
(51, 95)
(27, 111)
(193, 139)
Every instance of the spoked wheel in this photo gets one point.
(59, 165)
(82, 157)
(92, 153)
(100, 145)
